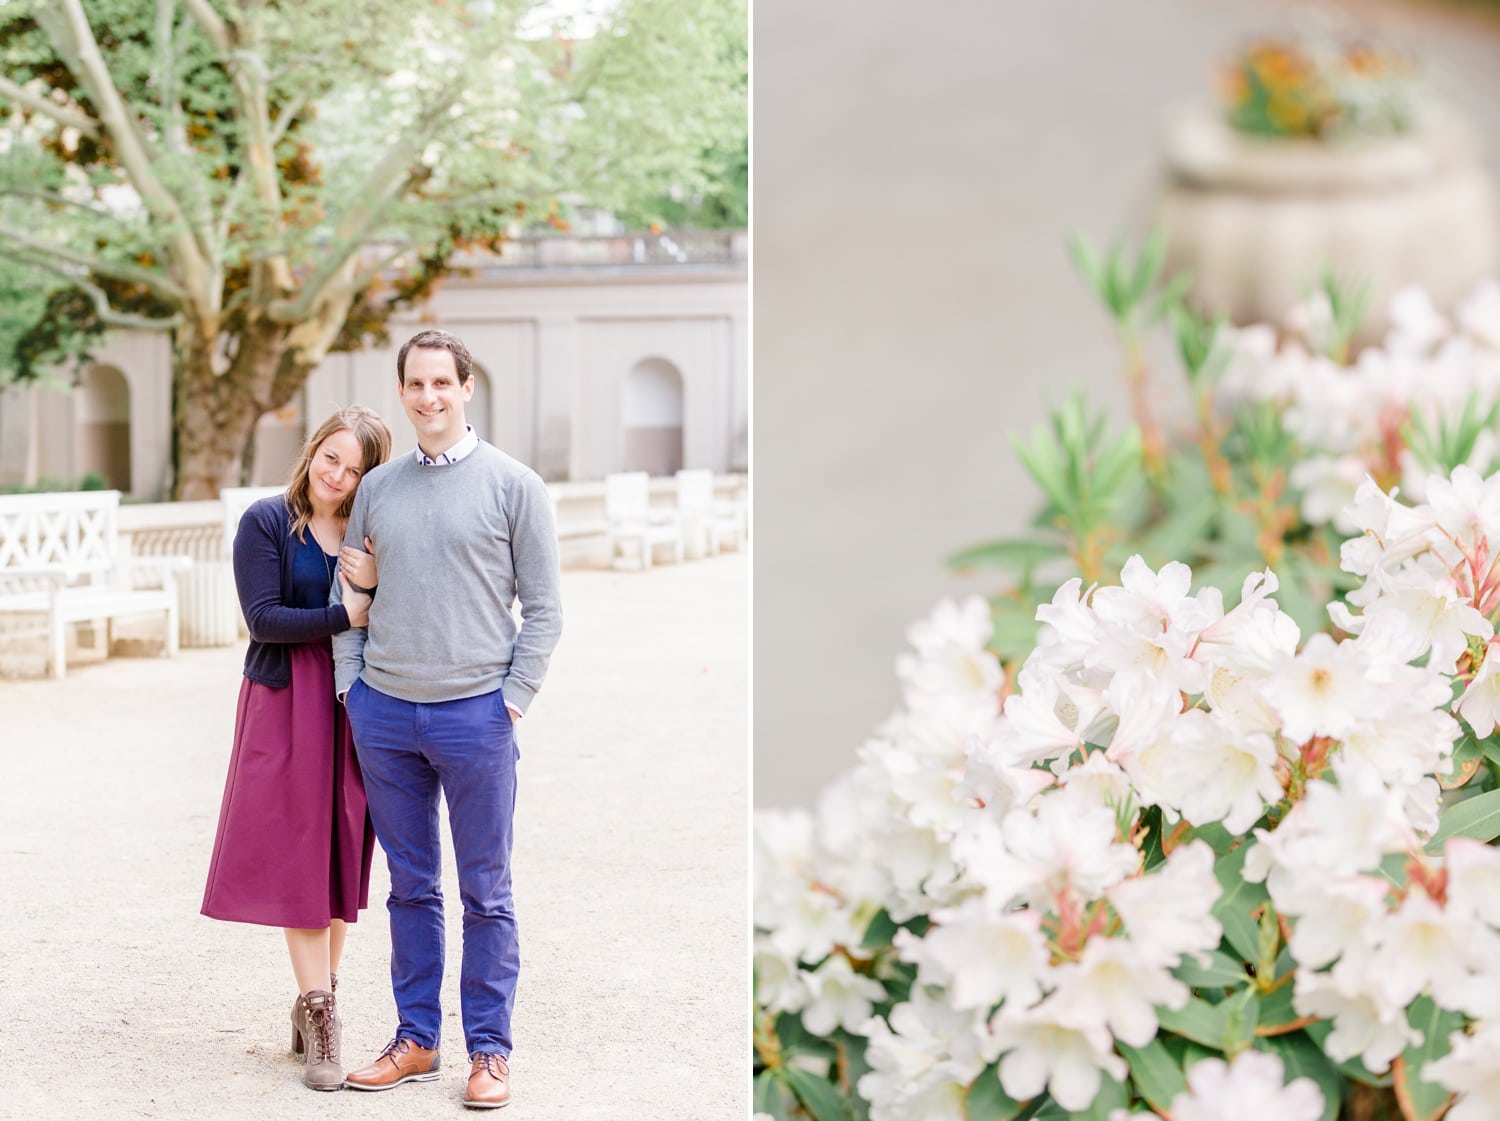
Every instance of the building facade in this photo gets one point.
(594, 354)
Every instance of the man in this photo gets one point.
(434, 687)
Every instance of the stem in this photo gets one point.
(1138, 379)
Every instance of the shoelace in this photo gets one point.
(490, 1062)
(393, 1048)
(320, 1019)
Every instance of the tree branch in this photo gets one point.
(212, 23)
(387, 179)
(289, 113)
(49, 108)
(158, 282)
(107, 314)
(71, 34)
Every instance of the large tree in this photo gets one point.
(269, 181)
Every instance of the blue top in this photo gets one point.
(280, 609)
(312, 573)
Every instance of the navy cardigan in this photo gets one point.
(264, 549)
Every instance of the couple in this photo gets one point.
(431, 673)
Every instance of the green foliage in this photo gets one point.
(1422, 1100)
(1129, 290)
(986, 1099)
(270, 182)
(1302, 1058)
(1441, 444)
(1156, 1075)
(91, 480)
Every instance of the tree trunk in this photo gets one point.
(215, 413)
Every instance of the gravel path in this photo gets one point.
(118, 1000)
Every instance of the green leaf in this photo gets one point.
(1156, 1075)
(1087, 259)
(1241, 1015)
(1276, 1011)
(1302, 1058)
(1112, 1096)
(881, 930)
(986, 1100)
(1180, 532)
(1222, 971)
(772, 1096)
(1014, 554)
(1240, 897)
(1477, 818)
(1015, 631)
(1148, 267)
(1043, 461)
(1491, 750)
(1422, 1100)
(820, 1096)
(1199, 1021)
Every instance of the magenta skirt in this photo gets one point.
(295, 842)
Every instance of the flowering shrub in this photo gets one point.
(1317, 88)
(1285, 423)
(1188, 863)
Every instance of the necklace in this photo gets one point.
(322, 552)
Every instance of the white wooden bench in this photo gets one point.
(60, 557)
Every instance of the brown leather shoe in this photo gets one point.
(489, 1082)
(401, 1061)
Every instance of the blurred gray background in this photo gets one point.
(916, 174)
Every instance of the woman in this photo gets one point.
(294, 843)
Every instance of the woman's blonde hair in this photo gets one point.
(375, 448)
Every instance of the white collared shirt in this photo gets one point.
(464, 446)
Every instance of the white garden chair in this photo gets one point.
(708, 524)
(627, 510)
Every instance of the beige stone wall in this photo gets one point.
(556, 346)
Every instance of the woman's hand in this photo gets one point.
(359, 566)
(356, 603)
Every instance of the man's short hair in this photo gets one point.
(434, 339)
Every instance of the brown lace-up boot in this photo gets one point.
(324, 1041)
(299, 1016)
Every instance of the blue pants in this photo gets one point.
(466, 748)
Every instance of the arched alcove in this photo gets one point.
(477, 411)
(101, 419)
(651, 416)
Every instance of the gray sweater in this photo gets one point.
(455, 547)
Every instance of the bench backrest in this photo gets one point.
(75, 533)
(695, 490)
(627, 496)
(236, 501)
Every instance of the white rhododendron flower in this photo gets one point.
(1322, 690)
(1422, 946)
(1169, 914)
(1364, 1025)
(1250, 1088)
(1042, 1049)
(1044, 851)
(838, 997)
(922, 1060)
(981, 957)
(1473, 879)
(1480, 704)
(1116, 984)
(951, 663)
(1472, 1071)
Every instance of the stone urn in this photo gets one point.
(1257, 220)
